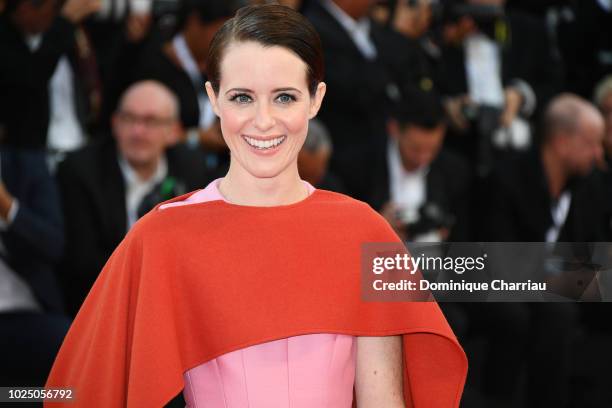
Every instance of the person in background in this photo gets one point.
(112, 25)
(361, 87)
(549, 195)
(409, 41)
(314, 157)
(108, 185)
(422, 189)
(180, 64)
(412, 18)
(32, 320)
(38, 107)
(497, 71)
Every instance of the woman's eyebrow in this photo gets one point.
(287, 89)
(239, 90)
(245, 90)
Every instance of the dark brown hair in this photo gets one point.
(269, 25)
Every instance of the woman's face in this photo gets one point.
(264, 106)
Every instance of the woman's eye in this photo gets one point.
(285, 98)
(241, 98)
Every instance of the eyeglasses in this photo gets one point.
(148, 121)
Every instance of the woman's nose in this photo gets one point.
(263, 117)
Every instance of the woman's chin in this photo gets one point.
(262, 170)
(263, 167)
(265, 173)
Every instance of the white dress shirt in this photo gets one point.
(483, 68)
(559, 211)
(407, 188)
(408, 191)
(359, 31)
(65, 132)
(136, 189)
(485, 87)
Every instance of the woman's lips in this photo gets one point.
(264, 145)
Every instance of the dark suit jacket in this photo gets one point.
(356, 101)
(93, 196)
(35, 239)
(448, 185)
(24, 79)
(587, 46)
(409, 62)
(143, 61)
(518, 205)
(605, 180)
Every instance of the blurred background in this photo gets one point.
(457, 120)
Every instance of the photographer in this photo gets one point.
(41, 82)
(420, 188)
(498, 69)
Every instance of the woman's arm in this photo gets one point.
(378, 377)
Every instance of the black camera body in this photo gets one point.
(430, 217)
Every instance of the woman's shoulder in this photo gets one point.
(334, 196)
(340, 201)
(323, 207)
(352, 213)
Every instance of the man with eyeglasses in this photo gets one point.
(107, 186)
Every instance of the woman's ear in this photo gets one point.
(317, 99)
(212, 97)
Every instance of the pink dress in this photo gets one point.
(313, 370)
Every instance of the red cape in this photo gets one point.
(194, 282)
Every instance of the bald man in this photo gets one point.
(550, 194)
(107, 186)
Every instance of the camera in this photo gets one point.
(429, 217)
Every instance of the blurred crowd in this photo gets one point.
(457, 120)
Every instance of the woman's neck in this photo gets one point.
(242, 188)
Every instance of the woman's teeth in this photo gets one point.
(267, 144)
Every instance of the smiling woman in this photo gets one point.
(265, 72)
(247, 292)
(264, 110)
